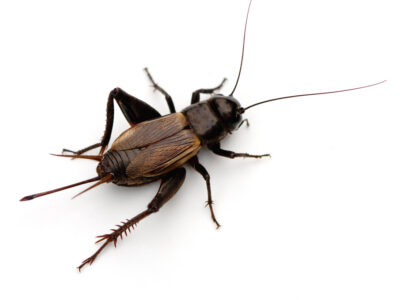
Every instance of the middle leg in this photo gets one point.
(194, 162)
(168, 98)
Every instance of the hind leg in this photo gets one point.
(170, 184)
(134, 110)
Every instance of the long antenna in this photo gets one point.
(312, 94)
(241, 60)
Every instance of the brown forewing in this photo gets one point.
(150, 132)
(165, 155)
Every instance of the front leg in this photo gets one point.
(196, 94)
(244, 121)
(216, 148)
(170, 184)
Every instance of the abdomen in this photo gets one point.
(116, 163)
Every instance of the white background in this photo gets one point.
(319, 220)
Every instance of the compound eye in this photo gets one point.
(237, 118)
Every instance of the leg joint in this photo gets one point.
(116, 92)
(153, 207)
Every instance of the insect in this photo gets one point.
(156, 148)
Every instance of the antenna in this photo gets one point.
(311, 94)
(241, 60)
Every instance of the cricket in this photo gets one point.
(157, 148)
